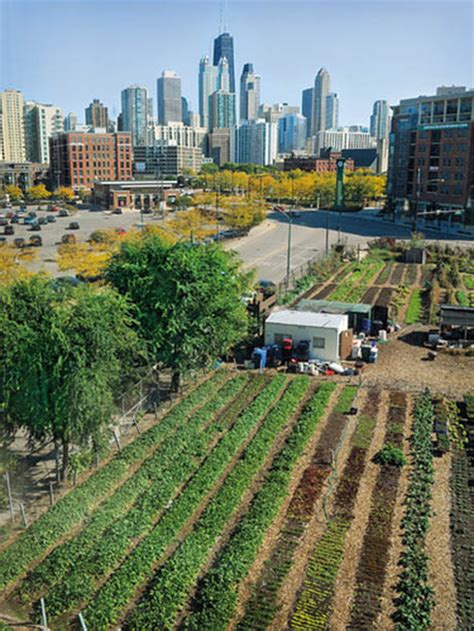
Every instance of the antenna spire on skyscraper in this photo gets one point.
(222, 16)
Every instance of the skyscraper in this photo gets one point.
(135, 113)
(379, 121)
(255, 142)
(249, 93)
(185, 112)
(224, 47)
(221, 109)
(307, 98)
(12, 133)
(70, 122)
(42, 122)
(207, 85)
(321, 92)
(169, 98)
(332, 111)
(223, 75)
(291, 133)
(97, 115)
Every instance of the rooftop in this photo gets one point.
(307, 318)
(332, 306)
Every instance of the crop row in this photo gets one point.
(375, 551)
(415, 308)
(314, 606)
(415, 595)
(216, 598)
(262, 606)
(77, 504)
(354, 287)
(112, 598)
(168, 592)
(83, 556)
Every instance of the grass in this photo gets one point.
(415, 308)
(462, 298)
(468, 281)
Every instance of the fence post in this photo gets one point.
(23, 514)
(82, 622)
(51, 493)
(117, 440)
(44, 619)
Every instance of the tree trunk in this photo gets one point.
(175, 380)
(65, 463)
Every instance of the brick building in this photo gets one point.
(79, 158)
(431, 158)
(325, 164)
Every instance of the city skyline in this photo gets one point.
(73, 87)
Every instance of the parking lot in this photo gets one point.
(51, 233)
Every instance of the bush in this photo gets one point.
(390, 455)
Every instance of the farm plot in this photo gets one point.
(355, 285)
(313, 607)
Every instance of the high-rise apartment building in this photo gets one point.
(255, 142)
(291, 133)
(135, 113)
(224, 47)
(42, 122)
(340, 139)
(321, 92)
(180, 135)
(97, 115)
(273, 113)
(380, 120)
(249, 93)
(307, 98)
(12, 130)
(207, 85)
(169, 98)
(431, 153)
(78, 159)
(332, 111)
(222, 109)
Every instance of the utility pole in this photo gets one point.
(417, 200)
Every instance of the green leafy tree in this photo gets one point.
(64, 353)
(187, 298)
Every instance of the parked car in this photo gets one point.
(9, 230)
(3, 221)
(73, 226)
(50, 218)
(35, 227)
(28, 221)
(15, 219)
(32, 213)
(120, 230)
(294, 213)
(42, 221)
(10, 214)
(19, 242)
(2, 239)
(117, 211)
(68, 239)
(36, 241)
(63, 213)
(267, 287)
(54, 209)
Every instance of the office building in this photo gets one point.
(320, 94)
(224, 47)
(219, 146)
(70, 122)
(12, 132)
(181, 135)
(380, 120)
(97, 115)
(221, 109)
(249, 93)
(431, 153)
(78, 159)
(166, 159)
(135, 114)
(207, 86)
(169, 98)
(291, 133)
(255, 142)
(307, 98)
(340, 139)
(41, 123)
(273, 113)
(327, 163)
(332, 111)
(185, 111)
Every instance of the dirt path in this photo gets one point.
(440, 567)
(314, 531)
(353, 545)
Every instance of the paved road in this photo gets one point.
(266, 247)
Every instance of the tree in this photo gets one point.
(14, 192)
(64, 353)
(38, 192)
(64, 193)
(187, 298)
(210, 167)
(12, 261)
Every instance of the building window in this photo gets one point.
(319, 342)
(279, 337)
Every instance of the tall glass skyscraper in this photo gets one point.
(332, 111)
(249, 93)
(224, 47)
(207, 86)
(307, 98)
(379, 121)
(291, 133)
(135, 113)
(169, 98)
(321, 92)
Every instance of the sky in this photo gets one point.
(67, 52)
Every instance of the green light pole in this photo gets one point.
(339, 198)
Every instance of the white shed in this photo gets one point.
(321, 330)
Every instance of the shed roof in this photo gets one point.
(455, 315)
(308, 318)
(333, 306)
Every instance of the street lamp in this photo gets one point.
(288, 252)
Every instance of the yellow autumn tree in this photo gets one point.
(13, 263)
(39, 192)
